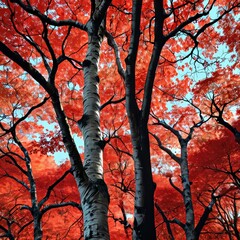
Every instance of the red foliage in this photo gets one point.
(179, 98)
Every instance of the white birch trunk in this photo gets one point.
(94, 193)
(89, 178)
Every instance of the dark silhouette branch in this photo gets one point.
(34, 11)
(51, 187)
(21, 119)
(165, 219)
(205, 216)
(175, 187)
(62, 204)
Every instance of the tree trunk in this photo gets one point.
(35, 211)
(187, 197)
(94, 192)
(37, 225)
(144, 226)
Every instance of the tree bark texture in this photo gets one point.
(94, 192)
(187, 197)
(144, 226)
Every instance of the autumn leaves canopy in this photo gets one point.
(141, 98)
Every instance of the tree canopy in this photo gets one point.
(119, 119)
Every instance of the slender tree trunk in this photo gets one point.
(35, 209)
(11, 237)
(189, 225)
(144, 227)
(89, 177)
(33, 193)
(37, 225)
(93, 190)
(94, 193)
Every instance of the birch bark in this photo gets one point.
(94, 193)
(89, 177)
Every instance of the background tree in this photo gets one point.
(70, 52)
(25, 201)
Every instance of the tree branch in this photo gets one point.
(34, 11)
(175, 187)
(15, 57)
(13, 127)
(113, 44)
(63, 204)
(204, 217)
(159, 42)
(167, 150)
(51, 187)
(166, 221)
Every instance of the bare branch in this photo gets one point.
(25, 65)
(175, 187)
(167, 150)
(58, 205)
(51, 187)
(165, 220)
(34, 11)
(25, 116)
(114, 45)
